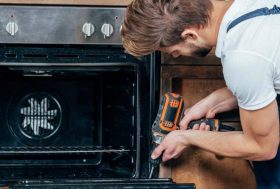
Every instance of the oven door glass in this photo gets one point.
(80, 123)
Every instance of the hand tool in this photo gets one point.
(168, 118)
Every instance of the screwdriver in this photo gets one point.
(155, 164)
(167, 120)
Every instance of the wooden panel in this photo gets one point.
(194, 90)
(209, 171)
(171, 75)
(69, 2)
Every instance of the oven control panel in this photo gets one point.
(61, 25)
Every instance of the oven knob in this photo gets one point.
(88, 29)
(12, 28)
(107, 30)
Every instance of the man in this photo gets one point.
(246, 34)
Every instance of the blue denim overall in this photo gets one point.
(267, 172)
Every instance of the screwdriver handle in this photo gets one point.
(214, 124)
(157, 161)
(155, 165)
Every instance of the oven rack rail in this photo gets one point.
(62, 150)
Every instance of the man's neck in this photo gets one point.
(220, 7)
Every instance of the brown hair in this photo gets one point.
(151, 24)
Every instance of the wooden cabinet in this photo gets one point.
(195, 78)
(194, 82)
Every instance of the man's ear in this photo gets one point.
(189, 34)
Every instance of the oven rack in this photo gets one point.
(62, 150)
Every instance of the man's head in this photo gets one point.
(172, 26)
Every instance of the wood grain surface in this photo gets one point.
(209, 171)
(70, 2)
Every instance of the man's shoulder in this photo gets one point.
(248, 31)
(262, 38)
(250, 77)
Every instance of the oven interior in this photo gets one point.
(76, 117)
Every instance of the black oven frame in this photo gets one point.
(38, 61)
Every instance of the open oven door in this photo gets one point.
(105, 184)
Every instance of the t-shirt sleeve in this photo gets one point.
(250, 79)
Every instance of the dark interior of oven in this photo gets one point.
(78, 116)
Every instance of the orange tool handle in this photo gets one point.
(170, 116)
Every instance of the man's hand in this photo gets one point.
(176, 141)
(219, 101)
(172, 146)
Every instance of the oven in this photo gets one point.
(75, 109)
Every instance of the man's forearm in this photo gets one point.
(219, 101)
(220, 95)
(227, 144)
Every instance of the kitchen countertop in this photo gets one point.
(69, 2)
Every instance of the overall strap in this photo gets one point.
(259, 12)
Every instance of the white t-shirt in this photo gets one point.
(250, 54)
